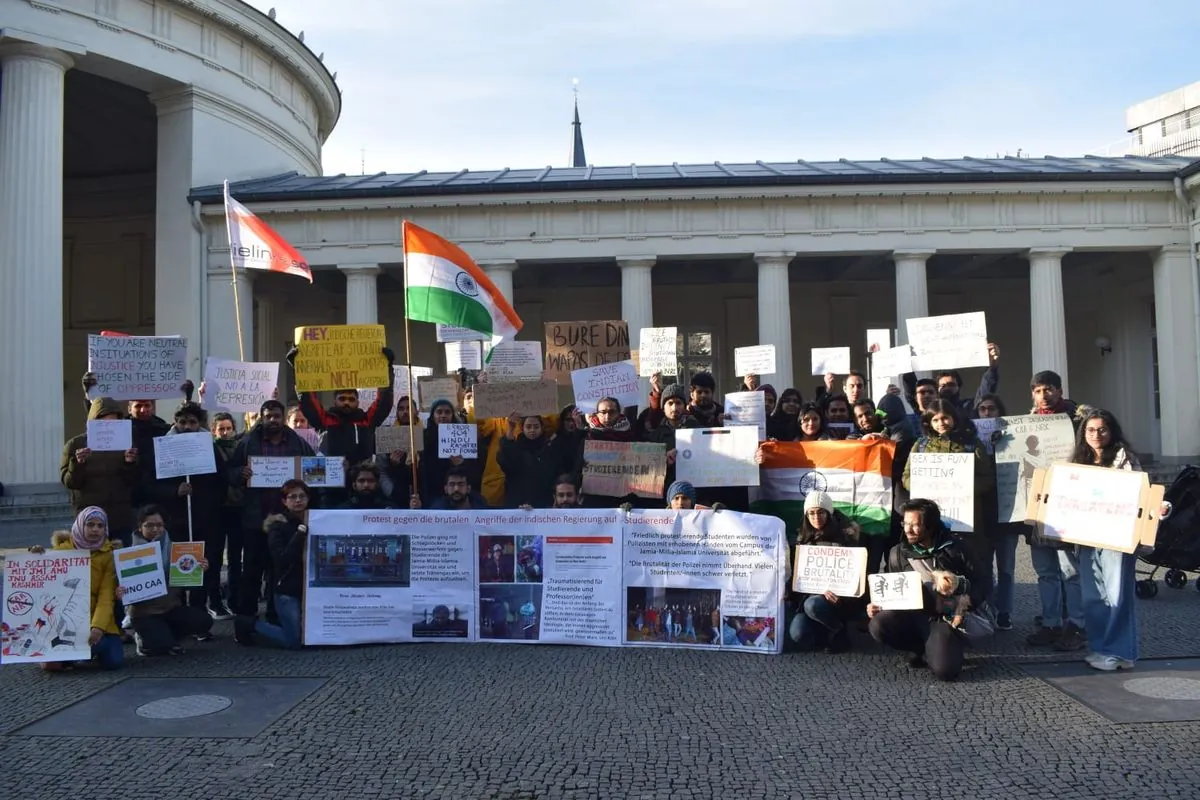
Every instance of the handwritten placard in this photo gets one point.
(893, 362)
(757, 360)
(951, 341)
(509, 361)
(238, 386)
(137, 367)
(830, 359)
(451, 333)
(458, 440)
(617, 469)
(1026, 444)
(580, 345)
(948, 479)
(271, 472)
(897, 591)
(463, 355)
(828, 568)
(393, 438)
(109, 435)
(747, 408)
(878, 339)
(1097, 507)
(432, 389)
(658, 351)
(619, 380)
(184, 454)
(336, 357)
(717, 456)
(528, 398)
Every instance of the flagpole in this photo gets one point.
(237, 306)
(412, 438)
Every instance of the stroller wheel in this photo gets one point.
(1145, 589)
(1176, 579)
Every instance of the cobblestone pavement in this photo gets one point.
(466, 721)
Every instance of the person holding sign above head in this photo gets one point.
(948, 385)
(286, 535)
(928, 547)
(492, 433)
(159, 623)
(822, 619)
(531, 461)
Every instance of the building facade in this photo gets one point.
(1167, 125)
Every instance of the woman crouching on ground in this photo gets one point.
(286, 535)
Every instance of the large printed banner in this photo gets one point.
(556, 576)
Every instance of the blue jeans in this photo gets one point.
(1108, 602)
(287, 633)
(109, 652)
(817, 615)
(1058, 577)
(1006, 568)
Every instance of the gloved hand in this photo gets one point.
(291, 356)
(626, 507)
(188, 388)
(389, 355)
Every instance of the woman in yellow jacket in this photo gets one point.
(493, 430)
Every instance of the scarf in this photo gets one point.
(78, 533)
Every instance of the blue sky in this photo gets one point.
(482, 84)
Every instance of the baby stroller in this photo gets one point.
(1177, 546)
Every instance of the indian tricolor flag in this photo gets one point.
(136, 561)
(442, 284)
(253, 245)
(857, 476)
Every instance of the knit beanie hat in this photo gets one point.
(681, 487)
(677, 391)
(818, 499)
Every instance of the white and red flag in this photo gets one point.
(253, 245)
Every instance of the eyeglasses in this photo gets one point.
(1096, 431)
(153, 526)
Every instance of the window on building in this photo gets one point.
(1192, 118)
(697, 353)
(1154, 358)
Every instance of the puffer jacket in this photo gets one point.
(104, 582)
(948, 553)
(106, 480)
(173, 598)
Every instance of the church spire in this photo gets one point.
(578, 159)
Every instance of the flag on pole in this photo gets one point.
(253, 245)
(442, 284)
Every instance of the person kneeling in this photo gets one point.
(286, 537)
(821, 618)
(159, 624)
(928, 548)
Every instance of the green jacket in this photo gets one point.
(105, 479)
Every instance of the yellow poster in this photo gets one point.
(335, 357)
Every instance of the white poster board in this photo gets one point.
(878, 339)
(757, 360)
(897, 591)
(463, 355)
(238, 386)
(47, 607)
(830, 568)
(1028, 443)
(184, 454)
(451, 333)
(747, 408)
(458, 440)
(948, 479)
(514, 361)
(137, 367)
(830, 359)
(717, 456)
(951, 341)
(109, 435)
(658, 351)
(887, 368)
(140, 572)
(618, 380)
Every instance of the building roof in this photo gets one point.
(294, 186)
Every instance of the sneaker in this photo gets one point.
(1092, 656)
(1004, 622)
(1044, 637)
(220, 612)
(127, 623)
(204, 637)
(137, 644)
(1073, 638)
(1109, 663)
(243, 630)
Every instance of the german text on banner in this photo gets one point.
(47, 607)
(857, 476)
(336, 357)
(254, 245)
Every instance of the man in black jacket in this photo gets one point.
(364, 488)
(927, 546)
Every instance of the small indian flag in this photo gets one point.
(857, 476)
(442, 284)
(254, 245)
(136, 561)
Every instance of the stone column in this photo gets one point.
(500, 271)
(912, 289)
(266, 348)
(31, 263)
(775, 314)
(637, 304)
(362, 302)
(1047, 312)
(222, 322)
(1175, 288)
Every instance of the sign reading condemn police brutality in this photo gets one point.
(137, 367)
(336, 357)
(238, 386)
(825, 568)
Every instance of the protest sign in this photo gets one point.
(432, 389)
(757, 360)
(271, 472)
(985, 429)
(140, 572)
(951, 341)
(619, 380)
(658, 351)
(390, 438)
(826, 568)
(706, 580)
(333, 357)
(830, 359)
(458, 440)
(47, 607)
(747, 408)
(1028, 443)
(109, 435)
(892, 363)
(617, 469)
(948, 479)
(451, 333)
(527, 398)
(897, 591)
(579, 345)
(184, 454)
(878, 339)
(463, 355)
(717, 456)
(137, 367)
(238, 386)
(514, 361)
(185, 568)
(1112, 509)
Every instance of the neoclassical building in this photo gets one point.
(1082, 265)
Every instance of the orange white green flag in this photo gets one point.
(254, 245)
(443, 284)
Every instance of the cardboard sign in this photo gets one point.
(757, 360)
(658, 351)
(463, 355)
(527, 398)
(830, 359)
(137, 367)
(951, 341)
(458, 440)
(184, 454)
(510, 361)
(897, 591)
(391, 438)
(185, 569)
(271, 472)
(617, 469)
(580, 345)
(109, 435)
(747, 408)
(336, 357)
(593, 384)
(827, 568)
(717, 456)
(948, 479)
(1112, 509)
(140, 572)
(432, 389)
(238, 386)
(1028, 443)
